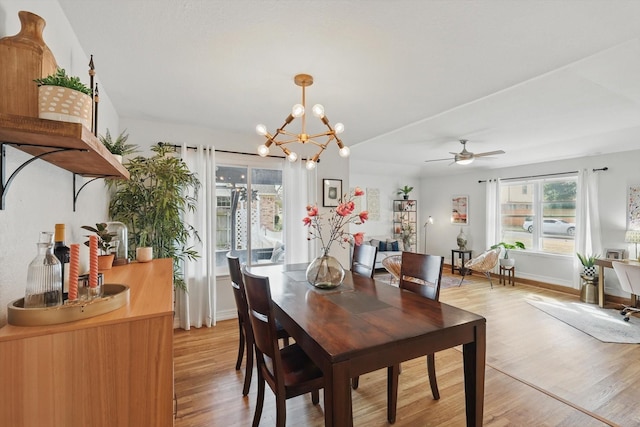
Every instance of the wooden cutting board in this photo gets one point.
(24, 57)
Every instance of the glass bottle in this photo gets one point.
(63, 253)
(44, 277)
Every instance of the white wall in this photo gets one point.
(41, 195)
(435, 195)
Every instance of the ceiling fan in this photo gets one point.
(465, 157)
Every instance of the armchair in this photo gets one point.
(484, 263)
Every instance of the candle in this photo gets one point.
(74, 268)
(93, 261)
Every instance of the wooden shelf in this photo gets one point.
(37, 136)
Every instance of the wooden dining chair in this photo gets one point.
(288, 370)
(363, 261)
(421, 274)
(244, 326)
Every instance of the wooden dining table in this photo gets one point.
(364, 325)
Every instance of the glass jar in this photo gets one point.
(44, 276)
(120, 242)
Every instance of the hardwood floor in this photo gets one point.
(540, 372)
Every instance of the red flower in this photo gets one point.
(358, 238)
(364, 215)
(345, 209)
(306, 220)
(358, 192)
(312, 210)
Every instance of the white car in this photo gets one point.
(552, 226)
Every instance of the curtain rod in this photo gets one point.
(544, 175)
(217, 151)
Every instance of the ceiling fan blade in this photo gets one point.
(438, 160)
(489, 153)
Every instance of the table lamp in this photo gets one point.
(633, 236)
(429, 221)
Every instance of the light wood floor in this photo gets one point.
(540, 372)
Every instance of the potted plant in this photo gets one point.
(505, 261)
(405, 191)
(64, 98)
(144, 253)
(589, 289)
(119, 146)
(105, 243)
(152, 204)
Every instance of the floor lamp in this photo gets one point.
(633, 236)
(429, 221)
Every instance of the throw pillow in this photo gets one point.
(376, 243)
(383, 246)
(394, 246)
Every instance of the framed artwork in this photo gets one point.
(460, 210)
(615, 253)
(331, 192)
(633, 208)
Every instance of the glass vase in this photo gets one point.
(325, 272)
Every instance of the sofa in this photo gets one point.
(386, 247)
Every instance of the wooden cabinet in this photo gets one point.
(112, 370)
(405, 223)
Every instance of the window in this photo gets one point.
(540, 213)
(249, 213)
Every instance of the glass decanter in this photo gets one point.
(44, 277)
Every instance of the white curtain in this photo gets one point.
(197, 306)
(299, 191)
(588, 240)
(493, 229)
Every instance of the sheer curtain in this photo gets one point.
(588, 240)
(492, 225)
(197, 306)
(299, 191)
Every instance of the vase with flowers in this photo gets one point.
(326, 271)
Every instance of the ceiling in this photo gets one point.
(541, 80)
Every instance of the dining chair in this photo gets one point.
(363, 261)
(288, 370)
(244, 326)
(421, 274)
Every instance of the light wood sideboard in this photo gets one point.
(111, 370)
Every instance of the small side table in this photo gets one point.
(507, 275)
(464, 256)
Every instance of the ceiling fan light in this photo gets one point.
(464, 161)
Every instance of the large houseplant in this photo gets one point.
(152, 204)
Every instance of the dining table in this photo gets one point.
(364, 325)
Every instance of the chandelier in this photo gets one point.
(298, 110)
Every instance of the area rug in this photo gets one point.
(605, 325)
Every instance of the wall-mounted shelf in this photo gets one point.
(69, 146)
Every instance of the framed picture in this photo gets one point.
(615, 253)
(331, 192)
(460, 210)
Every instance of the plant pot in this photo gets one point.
(406, 197)
(589, 289)
(507, 263)
(144, 254)
(65, 105)
(105, 262)
(118, 157)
